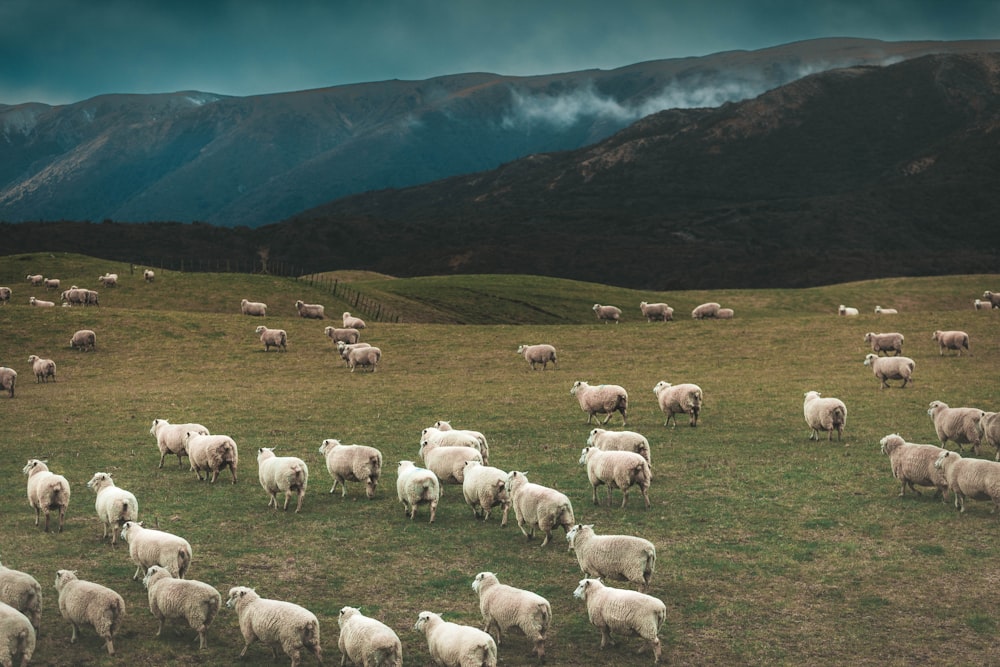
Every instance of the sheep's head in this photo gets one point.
(577, 386)
(128, 527)
(945, 457)
(423, 619)
(660, 386)
(890, 443)
(99, 481)
(33, 465)
(260, 329)
(585, 585)
(870, 359)
(328, 444)
(481, 578)
(584, 453)
(239, 594)
(265, 453)
(935, 407)
(64, 576)
(346, 613)
(155, 573)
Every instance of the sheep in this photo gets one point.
(114, 505)
(824, 414)
(75, 295)
(46, 491)
(654, 312)
(273, 337)
(253, 308)
(35, 279)
(678, 399)
(913, 463)
(169, 597)
(51, 283)
(8, 380)
(879, 310)
(286, 474)
(601, 399)
(170, 438)
(43, 368)
(312, 311)
(84, 339)
(956, 424)
(504, 607)
(276, 623)
(993, 298)
(345, 350)
(17, 637)
(364, 357)
(367, 641)
(211, 453)
(885, 342)
(977, 304)
(454, 645)
(149, 275)
(351, 322)
(84, 602)
(952, 340)
(970, 478)
(93, 298)
(148, 547)
(705, 311)
(538, 354)
(620, 441)
(5, 295)
(988, 429)
(891, 368)
(345, 335)
(618, 557)
(725, 314)
(40, 303)
(22, 591)
(537, 506)
(448, 463)
(847, 311)
(352, 463)
(479, 440)
(624, 612)
(484, 487)
(443, 435)
(417, 486)
(108, 279)
(617, 470)
(607, 313)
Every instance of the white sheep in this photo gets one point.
(8, 380)
(351, 322)
(170, 438)
(345, 350)
(879, 310)
(352, 463)
(211, 453)
(617, 470)
(537, 506)
(978, 479)
(84, 339)
(75, 295)
(885, 342)
(618, 557)
(484, 487)
(51, 283)
(169, 597)
(148, 547)
(40, 303)
(977, 304)
(108, 279)
(35, 279)
(253, 308)
(952, 340)
(480, 443)
(654, 312)
(46, 491)
(276, 338)
(345, 335)
(993, 298)
(367, 641)
(504, 608)
(685, 398)
(282, 474)
(114, 505)
(988, 429)
(705, 311)
(891, 368)
(84, 602)
(601, 399)
(312, 311)
(42, 368)
(824, 414)
(725, 314)
(435, 436)
(275, 623)
(847, 311)
(417, 486)
(364, 357)
(5, 294)
(149, 275)
(607, 313)
(625, 612)
(454, 645)
(17, 637)
(92, 298)
(620, 441)
(22, 591)
(913, 463)
(541, 353)
(447, 462)
(956, 424)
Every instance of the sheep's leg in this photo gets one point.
(62, 515)
(624, 496)
(37, 512)
(606, 637)
(72, 639)
(162, 456)
(595, 494)
(434, 507)
(138, 571)
(645, 495)
(302, 494)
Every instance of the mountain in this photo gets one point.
(229, 161)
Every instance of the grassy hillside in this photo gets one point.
(771, 549)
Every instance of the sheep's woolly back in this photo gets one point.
(484, 487)
(17, 636)
(21, 591)
(417, 486)
(194, 601)
(624, 441)
(282, 474)
(368, 641)
(88, 603)
(824, 414)
(212, 454)
(504, 607)
(618, 557)
(275, 622)
(454, 644)
(617, 470)
(448, 463)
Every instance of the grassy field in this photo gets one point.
(771, 549)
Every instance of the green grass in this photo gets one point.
(771, 549)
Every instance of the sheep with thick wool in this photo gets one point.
(988, 429)
(505, 608)
(84, 602)
(602, 399)
(955, 424)
(705, 311)
(676, 399)
(952, 340)
(193, 601)
(885, 342)
(978, 479)
(211, 454)
(367, 641)
(913, 463)
(276, 338)
(51, 283)
(47, 492)
(42, 368)
(365, 357)
(108, 279)
(253, 308)
(114, 505)
(656, 312)
(282, 474)
(879, 310)
(417, 486)
(484, 487)
(8, 380)
(993, 298)
(617, 470)
(22, 591)
(312, 311)
(351, 322)
(618, 557)
(148, 547)
(40, 303)
(891, 368)
(345, 350)
(847, 311)
(538, 507)
(620, 441)
(481, 443)
(170, 438)
(447, 462)
(275, 623)
(35, 279)
(84, 339)
(540, 354)
(17, 637)
(624, 612)
(454, 645)
(5, 294)
(607, 313)
(347, 335)
(442, 435)
(352, 463)
(824, 414)
(149, 275)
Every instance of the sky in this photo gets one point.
(64, 51)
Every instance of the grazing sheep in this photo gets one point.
(993, 298)
(275, 623)
(914, 464)
(618, 557)
(705, 311)
(504, 607)
(282, 474)
(22, 591)
(40, 303)
(114, 505)
(891, 368)
(879, 310)
(51, 283)
(87, 603)
(253, 308)
(169, 597)
(448, 463)
(620, 441)
(607, 313)
(485, 487)
(364, 357)
(17, 637)
(8, 380)
(824, 414)
(678, 399)
(417, 486)
(352, 463)
(345, 335)
(480, 440)
(367, 641)
(885, 342)
(84, 339)
(847, 311)
(538, 354)
(170, 438)
(35, 279)
(345, 350)
(43, 368)
(537, 506)
(46, 491)
(601, 399)
(617, 470)
(149, 275)
(5, 294)
(148, 547)
(211, 453)
(108, 279)
(454, 645)
(970, 478)
(656, 312)
(273, 337)
(988, 429)
(956, 424)
(725, 314)
(351, 322)
(617, 610)
(952, 340)
(312, 311)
